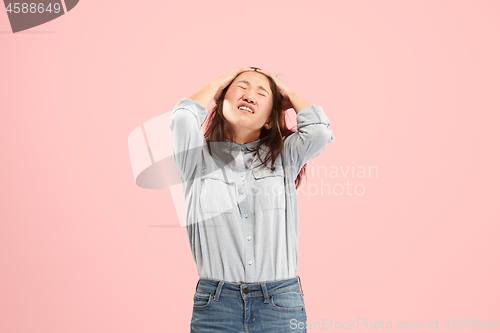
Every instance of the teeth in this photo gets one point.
(245, 108)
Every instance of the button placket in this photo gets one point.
(245, 211)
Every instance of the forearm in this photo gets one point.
(206, 94)
(298, 103)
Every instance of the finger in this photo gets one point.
(264, 72)
(268, 74)
(247, 69)
(238, 71)
(279, 83)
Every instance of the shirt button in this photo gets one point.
(245, 215)
(250, 262)
(249, 237)
(243, 174)
(241, 191)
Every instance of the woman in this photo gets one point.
(239, 180)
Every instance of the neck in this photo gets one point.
(242, 138)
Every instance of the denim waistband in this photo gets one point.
(245, 290)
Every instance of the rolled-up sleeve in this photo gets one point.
(187, 136)
(311, 139)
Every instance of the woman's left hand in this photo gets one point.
(284, 90)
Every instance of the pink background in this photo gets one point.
(410, 87)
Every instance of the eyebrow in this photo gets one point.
(260, 87)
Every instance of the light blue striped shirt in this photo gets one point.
(243, 220)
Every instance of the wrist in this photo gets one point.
(298, 102)
(293, 95)
(206, 94)
(212, 86)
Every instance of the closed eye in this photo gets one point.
(246, 88)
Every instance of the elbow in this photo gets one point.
(326, 135)
(183, 118)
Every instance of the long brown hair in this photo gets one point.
(273, 138)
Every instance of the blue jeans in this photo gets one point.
(275, 307)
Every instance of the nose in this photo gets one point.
(248, 99)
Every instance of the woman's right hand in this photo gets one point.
(226, 79)
(213, 90)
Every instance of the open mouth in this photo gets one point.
(244, 108)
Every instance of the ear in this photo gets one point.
(268, 125)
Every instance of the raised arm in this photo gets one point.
(313, 129)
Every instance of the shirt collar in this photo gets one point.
(245, 147)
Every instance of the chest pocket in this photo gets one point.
(217, 192)
(271, 187)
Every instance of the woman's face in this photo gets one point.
(251, 90)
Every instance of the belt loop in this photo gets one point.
(196, 289)
(300, 284)
(264, 292)
(219, 288)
